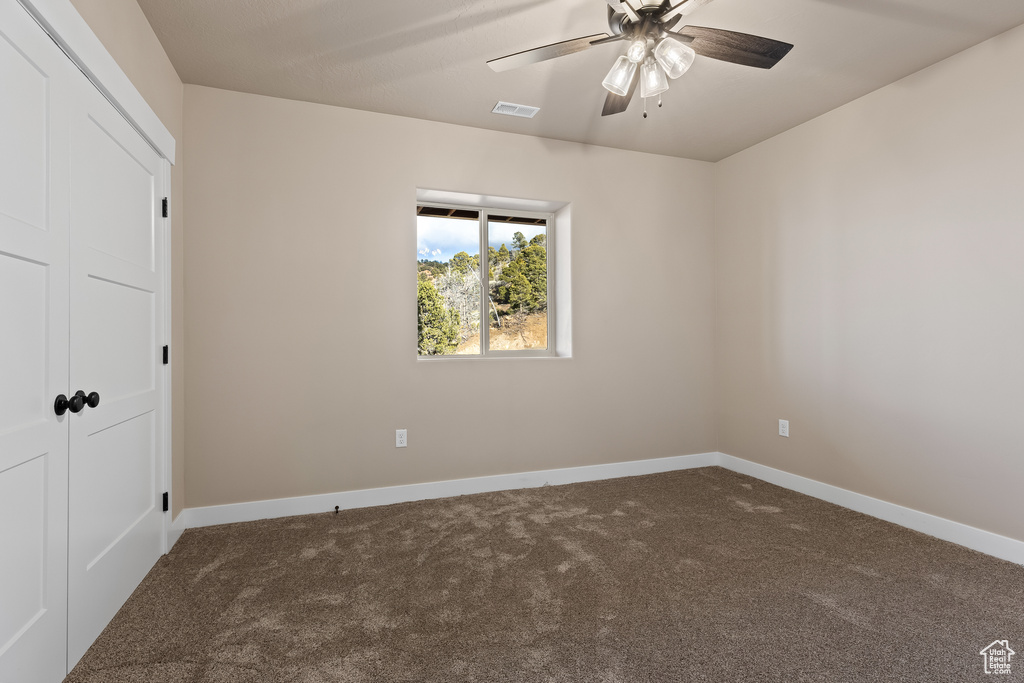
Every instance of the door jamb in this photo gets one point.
(170, 536)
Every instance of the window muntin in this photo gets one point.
(510, 289)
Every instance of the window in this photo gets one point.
(498, 305)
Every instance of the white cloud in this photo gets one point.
(444, 237)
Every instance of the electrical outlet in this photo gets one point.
(401, 438)
(784, 428)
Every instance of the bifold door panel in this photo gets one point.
(34, 355)
(115, 528)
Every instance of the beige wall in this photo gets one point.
(124, 31)
(301, 308)
(871, 290)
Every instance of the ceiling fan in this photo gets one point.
(658, 51)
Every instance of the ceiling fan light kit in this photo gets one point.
(670, 59)
(637, 51)
(675, 58)
(620, 77)
(651, 22)
(653, 81)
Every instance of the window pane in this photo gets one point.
(517, 283)
(448, 287)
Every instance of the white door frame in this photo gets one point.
(170, 535)
(72, 34)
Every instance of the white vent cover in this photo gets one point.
(509, 109)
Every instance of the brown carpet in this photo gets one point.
(700, 575)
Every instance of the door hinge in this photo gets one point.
(167, 355)
(165, 211)
(167, 504)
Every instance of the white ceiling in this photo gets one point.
(426, 59)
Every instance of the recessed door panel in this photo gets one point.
(23, 562)
(114, 475)
(23, 137)
(34, 318)
(121, 339)
(24, 304)
(116, 207)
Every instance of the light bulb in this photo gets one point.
(675, 58)
(621, 75)
(637, 51)
(652, 79)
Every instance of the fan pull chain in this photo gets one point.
(645, 107)
(659, 101)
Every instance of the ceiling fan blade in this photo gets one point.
(738, 48)
(682, 8)
(609, 39)
(616, 104)
(540, 54)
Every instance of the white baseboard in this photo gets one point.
(945, 529)
(983, 541)
(176, 529)
(346, 500)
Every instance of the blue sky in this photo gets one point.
(438, 239)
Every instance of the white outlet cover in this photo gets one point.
(401, 438)
(784, 428)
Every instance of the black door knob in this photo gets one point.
(60, 405)
(90, 400)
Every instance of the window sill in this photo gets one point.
(445, 359)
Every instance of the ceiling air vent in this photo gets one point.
(509, 109)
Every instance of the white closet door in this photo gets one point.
(115, 527)
(33, 350)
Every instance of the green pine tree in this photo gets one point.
(438, 327)
(518, 241)
(462, 262)
(534, 265)
(515, 288)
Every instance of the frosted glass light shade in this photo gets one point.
(652, 79)
(675, 57)
(637, 51)
(621, 75)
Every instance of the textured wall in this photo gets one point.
(124, 31)
(871, 290)
(302, 318)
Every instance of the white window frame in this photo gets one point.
(484, 282)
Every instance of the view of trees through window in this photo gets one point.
(455, 292)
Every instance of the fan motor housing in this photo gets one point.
(617, 22)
